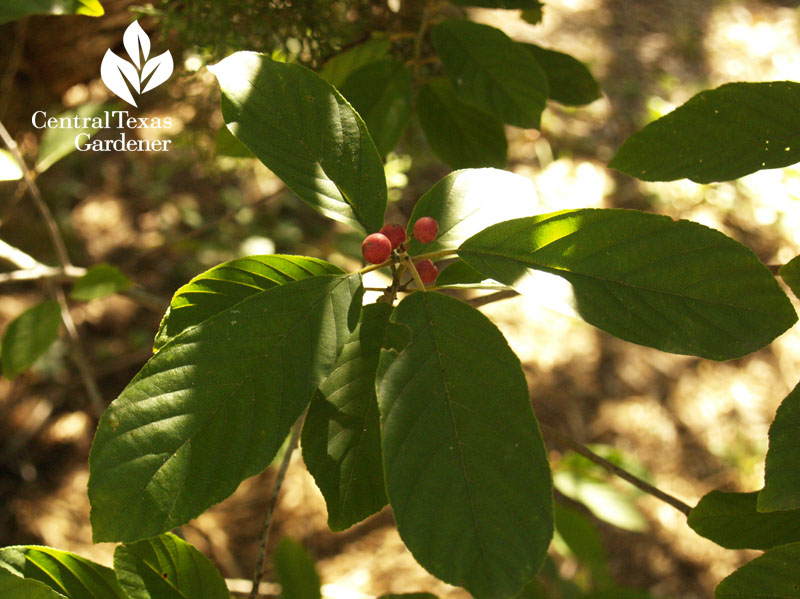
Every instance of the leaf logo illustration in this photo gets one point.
(140, 74)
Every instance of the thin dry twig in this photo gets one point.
(273, 501)
(477, 302)
(637, 482)
(96, 403)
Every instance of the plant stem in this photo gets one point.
(477, 302)
(435, 255)
(637, 482)
(273, 501)
(78, 353)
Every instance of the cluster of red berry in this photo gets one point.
(377, 247)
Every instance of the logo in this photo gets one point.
(140, 74)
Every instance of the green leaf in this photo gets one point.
(16, 587)
(70, 575)
(467, 201)
(58, 142)
(341, 66)
(677, 286)
(731, 520)
(462, 136)
(583, 539)
(227, 145)
(213, 406)
(781, 482)
(341, 434)
(307, 134)
(774, 575)
(606, 502)
(790, 273)
(718, 135)
(381, 93)
(466, 470)
(99, 281)
(16, 9)
(9, 167)
(508, 4)
(29, 336)
(459, 273)
(570, 82)
(491, 72)
(231, 282)
(167, 567)
(296, 571)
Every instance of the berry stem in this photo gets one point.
(435, 255)
(413, 270)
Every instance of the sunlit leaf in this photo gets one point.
(467, 201)
(16, 9)
(677, 286)
(16, 587)
(298, 125)
(465, 466)
(71, 575)
(231, 282)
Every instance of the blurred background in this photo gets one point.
(687, 425)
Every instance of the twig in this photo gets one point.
(78, 354)
(477, 302)
(273, 501)
(17, 257)
(614, 469)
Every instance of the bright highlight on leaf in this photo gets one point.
(229, 283)
(465, 466)
(678, 286)
(298, 125)
(68, 574)
(458, 203)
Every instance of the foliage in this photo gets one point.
(418, 401)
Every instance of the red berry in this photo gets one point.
(395, 233)
(376, 248)
(426, 229)
(427, 271)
